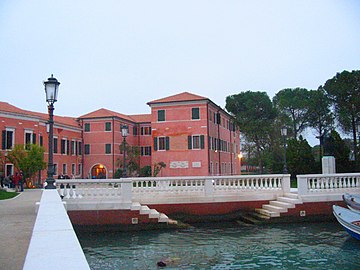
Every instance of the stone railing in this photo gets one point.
(126, 189)
(54, 244)
(328, 183)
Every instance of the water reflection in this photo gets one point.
(226, 246)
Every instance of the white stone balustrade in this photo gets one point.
(328, 183)
(158, 189)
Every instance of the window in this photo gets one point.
(145, 150)
(161, 115)
(195, 113)
(73, 148)
(8, 139)
(196, 142)
(108, 148)
(79, 148)
(55, 145)
(30, 138)
(87, 127)
(41, 140)
(87, 149)
(73, 169)
(108, 126)
(79, 168)
(9, 169)
(161, 143)
(64, 169)
(145, 131)
(135, 131)
(64, 146)
(55, 169)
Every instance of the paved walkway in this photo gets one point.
(17, 219)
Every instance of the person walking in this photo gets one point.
(16, 181)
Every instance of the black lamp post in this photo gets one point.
(51, 90)
(124, 132)
(284, 134)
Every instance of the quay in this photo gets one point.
(145, 201)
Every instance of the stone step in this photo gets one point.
(289, 200)
(154, 214)
(144, 210)
(135, 206)
(282, 204)
(291, 195)
(267, 212)
(164, 219)
(274, 208)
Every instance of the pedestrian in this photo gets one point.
(22, 181)
(16, 181)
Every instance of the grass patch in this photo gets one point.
(7, 195)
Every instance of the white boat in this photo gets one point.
(350, 220)
(352, 201)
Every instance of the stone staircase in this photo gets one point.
(152, 213)
(281, 205)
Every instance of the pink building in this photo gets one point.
(190, 134)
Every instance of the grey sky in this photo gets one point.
(121, 54)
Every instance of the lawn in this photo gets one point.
(7, 195)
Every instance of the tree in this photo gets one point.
(300, 159)
(254, 113)
(341, 153)
(29, 160)
(158, 166)
(132, 159)
(292, 104)
(320, 116)
(344, 91)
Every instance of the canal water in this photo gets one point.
(226, 246)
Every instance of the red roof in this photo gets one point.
(182, 97)
(6, 107)
(137, 118)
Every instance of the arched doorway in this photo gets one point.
(98, 171)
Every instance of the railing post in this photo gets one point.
(209, 187)
(302, 185)
(126, 190)
(286, 183)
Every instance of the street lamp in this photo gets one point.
(124, 132)
(51, 90)
(284, 134)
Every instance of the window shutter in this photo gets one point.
(167, 143)
(202, 142)
(34, 138)
(68, 147)
(218, 119)
(155, 144)
(3, 140)
(189, 142)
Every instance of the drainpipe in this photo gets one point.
(231, 154)
(219, 144)
(113, 147)
(208, 133)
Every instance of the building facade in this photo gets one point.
(189, 134)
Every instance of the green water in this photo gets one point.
(226, 246)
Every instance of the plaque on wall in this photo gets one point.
(179, 164)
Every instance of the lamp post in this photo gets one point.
(284, 134)
(124, 132)
(51, 90)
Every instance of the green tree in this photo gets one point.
(29, 160)
(341, 153)
(300, 159)
(292, 104)
(344, 91)
(320, 116)
(158, 166)
(254, 113)
(145, 171)
(131, 159)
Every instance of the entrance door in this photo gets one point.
(98, 172)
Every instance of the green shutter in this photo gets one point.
(167, 143)
(202, 142)
(189, 142)
(155, 144)
(34, 138)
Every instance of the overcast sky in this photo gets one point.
(120, 55)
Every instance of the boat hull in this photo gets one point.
(349, 220)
